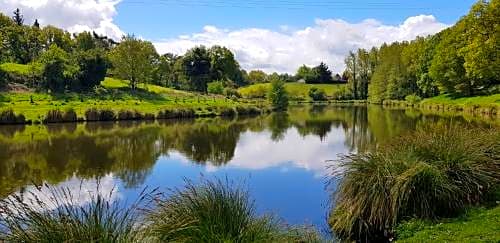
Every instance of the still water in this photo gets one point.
(281, 159)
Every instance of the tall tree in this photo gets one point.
(133, 60)
(351, 62)
(223, 66)
(195, 69)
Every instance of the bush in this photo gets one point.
(56, 116)
(8, 117)
(413, 99)
(176, 113)
(230, 92)
(277, 95)
(254, 91)
(94, 114)
(317, 94)
(434, 172)
(209, 212)
(216, 87)
(54, 215)
(343, 93)
(129, 115)
(248, 110)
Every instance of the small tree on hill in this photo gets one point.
(277, 95)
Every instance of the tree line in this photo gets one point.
(463, 60)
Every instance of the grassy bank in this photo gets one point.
(115, 95)
(432, 173)
(486, 105)
(477, 225)
(296, 91)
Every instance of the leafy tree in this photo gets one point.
(194, 69)
(36, 24)
(351, 62)
(303, 72)
(51, 35)
(133, 60)
(277, 95)
(223, 66)
(164, 72)
(84, 41)
(92, 68)
(257, 76)
(55, 72)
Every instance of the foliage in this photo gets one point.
(413, 99)
(316, 75)
(133, 60)
(434, 172)
(92, 68)
(257, 76)
(55, 66)
(54, 215)
(277, 95)
(216, 87)
(317, 94)
(210, 212)
(7, 116)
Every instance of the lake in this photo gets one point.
(282, 159)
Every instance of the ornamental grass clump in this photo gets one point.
(436, 171)
(51, 214)
(209, 212)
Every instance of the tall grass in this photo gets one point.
(434, 172)
(9, 117)
(216, 211)
(55, 215)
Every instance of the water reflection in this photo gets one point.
(283, 151)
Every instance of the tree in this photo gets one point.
(54, 70)
(164, 72)
(36, 24)
(92, 68)
(303, 72)
(277, 95)
(351, 63)
(322, 73)
(51, 35)
(194, 68)
(216, 87)
(223, 66)
(84, 41)
(18, 17)
(257, 76)
(133, 60)
(317, 94)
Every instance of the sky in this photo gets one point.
(270, 35)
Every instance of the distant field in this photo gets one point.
(116, 95)
(297, 91)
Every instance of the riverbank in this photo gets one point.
(477, 105)
(114, 101)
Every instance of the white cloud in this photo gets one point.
(72, 15)
(328, 40)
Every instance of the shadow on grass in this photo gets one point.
(123, 93)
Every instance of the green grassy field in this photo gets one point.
(15, 68)
(465, 101)
(115, 95)
(479, 225)
(296, 91)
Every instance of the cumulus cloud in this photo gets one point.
(72, 15)
(328, 40)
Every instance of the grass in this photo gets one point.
(296, 91)
(212, 211)
(50, 214)
(464, 101)
(16, 68)
(114, 95)
(216, 211)
(477, 225)
(435, 172)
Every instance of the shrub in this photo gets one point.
(176, 113)
(413, 99)
(343, 93)
(216, 87)
(248, 110)
(317, 94)
(55, 215)
(129, 115)
(254, 91)
(209, 212)
(230, 92)
(228, 112)
(94, 114)
(277, 95)
(9, 117)
(56, 116)
(435, 172)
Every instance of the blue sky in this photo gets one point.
(157, 19)
(270, 35)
